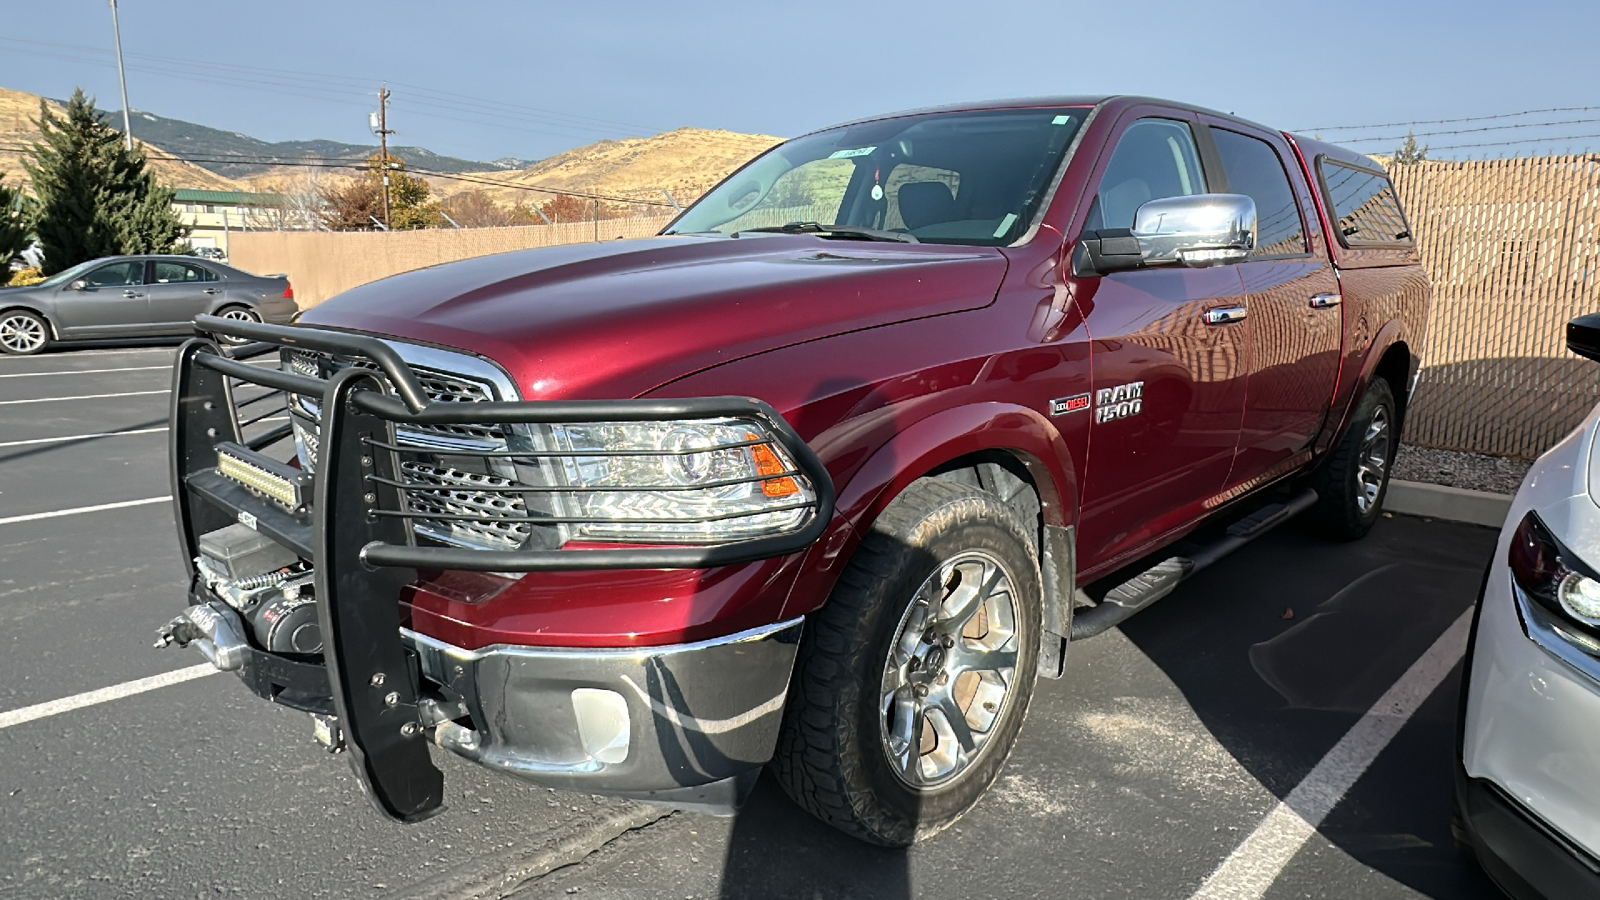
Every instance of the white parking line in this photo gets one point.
(1254, 865)
(85, 437)
(85, 371)
(104, 695)
(107, 351)
(82, 397)
(111, 434)
(33, 517)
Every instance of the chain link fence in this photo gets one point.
(1513, 250)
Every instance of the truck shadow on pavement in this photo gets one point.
(777, 849)
(1280, 650)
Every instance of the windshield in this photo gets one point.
(943, 178)
(66, 275)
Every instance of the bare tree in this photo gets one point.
(298, 205)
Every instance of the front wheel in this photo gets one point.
(913, 681)
(23, 333)
(1352, 483)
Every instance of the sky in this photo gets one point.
(519, 78)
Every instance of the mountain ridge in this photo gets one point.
(215, 149)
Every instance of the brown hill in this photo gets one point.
(19, 110)
(685, 161)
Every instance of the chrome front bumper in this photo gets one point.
(686, 725)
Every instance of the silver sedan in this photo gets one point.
(136, 296)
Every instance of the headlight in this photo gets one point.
(1552, 576)
(676, 482)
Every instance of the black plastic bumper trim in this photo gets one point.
(1527, 858)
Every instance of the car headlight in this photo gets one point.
(688, 481)
(1553, 576)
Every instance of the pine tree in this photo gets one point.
(95, 197)
(1409, 152)
(16, 226)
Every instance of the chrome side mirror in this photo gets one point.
(79, 285)
(1198, 230)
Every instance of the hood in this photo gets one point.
(616, 319)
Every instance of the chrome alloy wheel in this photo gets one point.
(238, 314)
(949, 671)
(21, 334)
(1372, 460)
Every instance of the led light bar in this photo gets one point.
(258, 476)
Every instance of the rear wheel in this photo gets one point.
(238, 314)
(1351, 485)
(23, 333)
(914, 679)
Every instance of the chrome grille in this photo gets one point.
(444, 491)
(441, 387)
(453, 492)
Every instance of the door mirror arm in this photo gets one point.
(1105, 251)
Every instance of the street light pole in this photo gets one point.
(122, 79)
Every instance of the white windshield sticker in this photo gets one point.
(846, 154)
(1060, 120)
(1005, 224)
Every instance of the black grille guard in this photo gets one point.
(356, 530)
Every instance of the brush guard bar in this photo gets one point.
(354, 526)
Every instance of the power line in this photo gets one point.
(327, 94)
(1510, 115)
(317, 81)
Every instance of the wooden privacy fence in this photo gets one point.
(1513, 251)
(1511, 244)
(321, 263)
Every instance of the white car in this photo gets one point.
(1528, 773)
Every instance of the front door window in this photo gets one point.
(118, 274)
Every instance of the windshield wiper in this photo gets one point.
(848, 232)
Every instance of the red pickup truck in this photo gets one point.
(822, 478)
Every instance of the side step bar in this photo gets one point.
(1160, 579)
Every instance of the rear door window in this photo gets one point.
(1365, 207)
(177, 272)
(1253, 168)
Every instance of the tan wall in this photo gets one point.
(1512, 245)
(320, 264)
(1513, 250)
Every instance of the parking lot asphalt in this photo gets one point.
(1159, 767)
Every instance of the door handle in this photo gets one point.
(1222, 315)
(1324, 301)
(130, 293)
(212, 291)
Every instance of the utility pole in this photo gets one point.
(383, 147)
(122, 79)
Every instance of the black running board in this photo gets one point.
(1160, 579)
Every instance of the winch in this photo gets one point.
(266, 583)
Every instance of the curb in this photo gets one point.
(1437, 501)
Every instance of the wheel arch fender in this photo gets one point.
(55, 330)
(923, 447)
(1381, 350)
